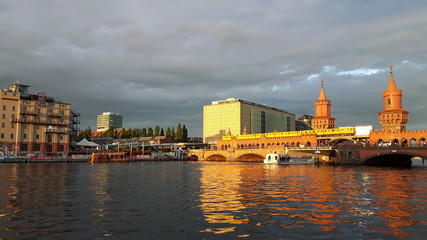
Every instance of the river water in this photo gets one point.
(211, 200)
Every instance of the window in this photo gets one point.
(36, 147)
(24, 147)
(13, 108)
(25, 135)
(3, 116)
(11, 135)
(60, 148)
(2, 135)
(3, 124)
(37, 136)
(4, 107)
(389, 101)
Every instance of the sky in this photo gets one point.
(157, 62)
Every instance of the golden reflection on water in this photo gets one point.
(99, 182)
(220, 197)
(327, 197)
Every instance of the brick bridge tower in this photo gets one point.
(393, 117)
(322, 118)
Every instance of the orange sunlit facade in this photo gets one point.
(322, 107)
(32, 123)
(393, 119)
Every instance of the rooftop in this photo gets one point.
(234, 100)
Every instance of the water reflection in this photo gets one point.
(220, 197)
(210, 201)
(30, 195)
(310, 196)
(99, 182)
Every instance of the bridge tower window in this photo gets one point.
(396, 142)
(422, 142)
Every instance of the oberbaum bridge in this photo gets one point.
(391, 145)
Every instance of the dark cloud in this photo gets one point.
(158, 62)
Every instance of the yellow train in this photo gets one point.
(319, 132)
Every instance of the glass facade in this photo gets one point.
(107, 120)
(263, 122)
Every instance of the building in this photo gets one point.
(306, 133)
(303, 123)
(237, 116)
(322, 108)
(107, 120)
(32, 123)
(393, 120)
(393, 117)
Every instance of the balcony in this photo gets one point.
(41, 122)
(56, 130)
(55, 114)
(29, 112)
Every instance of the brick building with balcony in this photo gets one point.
(32, 123)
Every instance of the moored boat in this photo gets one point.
(286, 159)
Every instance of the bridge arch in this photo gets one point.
(193, 158)
(400, 158)
(217, 157)
(342, 140)
(250, 156)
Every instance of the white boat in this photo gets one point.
(286, 159)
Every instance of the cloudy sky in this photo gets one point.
(157, 62)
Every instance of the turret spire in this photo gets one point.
(393, 117)
(322, 95)
(322, 109)
(391, 83)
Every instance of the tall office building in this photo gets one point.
(241, 116)
(107, 120)
(32, 123)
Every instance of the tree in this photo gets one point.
(162, 132)
(173, 132)
(87, 133)
(184, 134)
(136, 132)
(150, 132)
(157, 131)
(116, 134)
(144, 132)
(168, 131)
(110, 132)
(178, 134)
